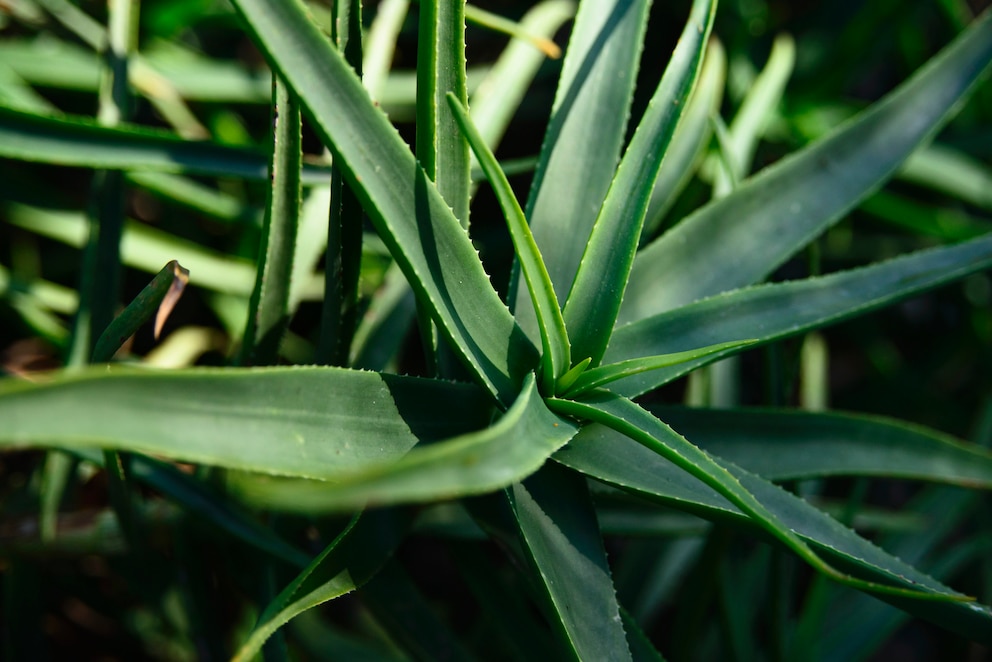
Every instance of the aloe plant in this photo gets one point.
(528, 430)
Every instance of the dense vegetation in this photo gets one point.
(714, 388)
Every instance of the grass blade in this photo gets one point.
(786, 205)
(80, 143)
(157, 299)
(351, 559)
(594, 299)
(555, 359)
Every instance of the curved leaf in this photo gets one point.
(583, 141)
(594, 298)
(792, 445)
(769, 312)
(475, 463)
(786, 205)
(311, 422)
(558, 527)
(617, 460)
(409, 213)
(76, 142)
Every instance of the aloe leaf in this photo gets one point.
(409, 213)
(582, 145)
(304, 421)
(772, 311)
(475, 463)
(618, 460)
(268, 309)
(351, 559)
(629, 419)
(75, 142)
(594, 299)
(157, 299)
(554, 339)
(691, 138)
(791, 445)
(605, 374)
(558, 527)
(786, 205)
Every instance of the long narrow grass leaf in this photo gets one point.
(157, 300)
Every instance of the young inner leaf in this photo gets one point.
(555, 360)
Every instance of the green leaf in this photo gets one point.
(691, 138)
(605, 374)
(409, 213)
(555, 359)
(347, 563)
(558, 527)
(80, 143)
(583, 141)
(620, 461)
(268, 309)
(769, 312)
(475, 463)
(303, 421)
(594, 298)
(157, 298)
(785, 206)
(793, 445)
(629, 419)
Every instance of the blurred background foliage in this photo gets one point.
(926, 360)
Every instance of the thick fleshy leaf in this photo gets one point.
(582, 145)
(75, 142)
(630, 420)
(620, 461)
(740, 239)
(769, 312)
(594, 298)
(475, 463)
(560, 534)
(793, 445)
(555, 359)
(348, 562)
(311, 422)
(409, 213)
